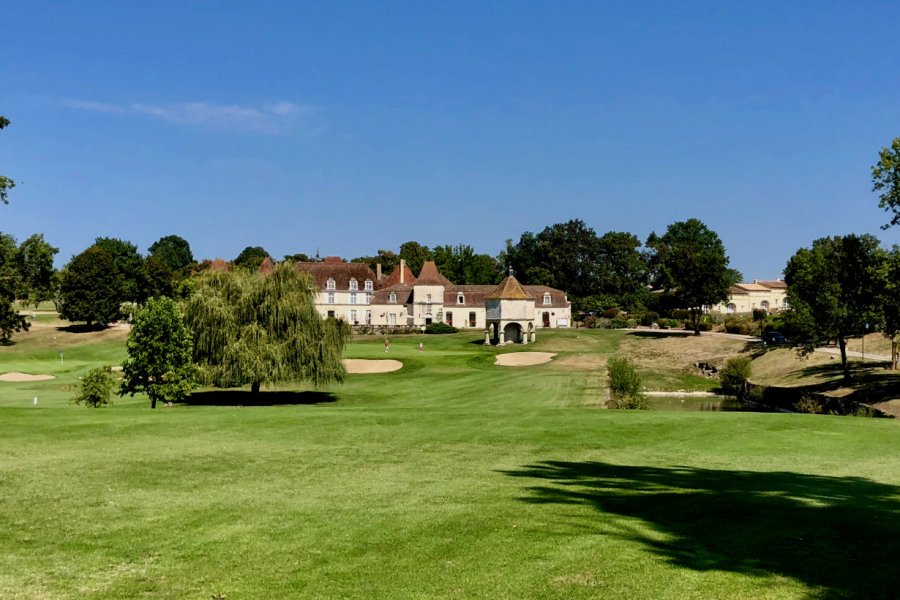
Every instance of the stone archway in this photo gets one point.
(512, 333)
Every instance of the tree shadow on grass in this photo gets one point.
(81, 328)
(661, 333)
(840, 536)
(245, 398)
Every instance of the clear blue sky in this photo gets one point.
(353, 126)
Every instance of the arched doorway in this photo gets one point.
(512, 333)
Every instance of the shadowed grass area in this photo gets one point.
(837, 535)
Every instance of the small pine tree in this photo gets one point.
(624, 384)
(96, 388)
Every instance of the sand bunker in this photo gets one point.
(18, 377)
(362, 365)
(524, 359)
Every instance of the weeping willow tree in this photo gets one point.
(254, 328)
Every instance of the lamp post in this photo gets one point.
(865, 331)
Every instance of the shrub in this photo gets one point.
(610, 313)
(760, 314)
(96, 387)
(649, 318)
(624, 384)
(734, 376)
(700, 326)
(438, 327)
(741, 326)
(670, 323)
(808, 404)
(618, 323)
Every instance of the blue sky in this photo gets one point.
(347, 127)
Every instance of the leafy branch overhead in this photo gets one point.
(6, 183)
(886, 179)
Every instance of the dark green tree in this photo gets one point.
(173, 251)
(159, 280)
(254, 328)
(415, 255)
(564, 256)
(10, 281)
(251, 257)
(834, 291)
(159, 354)
(886, 179)
(386, 258)
(91, 288)
(461, 265)
(6, 183)
(622, 274)
(35, 259)
(689, 264)
(130, 265)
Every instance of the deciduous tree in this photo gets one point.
(254, 328)
(415, 255)
(689, 264)
(91, 288)
(159, 354)
(10, 281)
(130, 265)
(95, 389)
(251, 257)
(834, 291)
(6, 183)
(890, 320)
(35, 258)
(886, 179)
(174, 251)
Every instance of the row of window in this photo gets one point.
(354, 285)
(353, 298)
(448, 317)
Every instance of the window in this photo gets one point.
(353, 317)
(731, 308)
(546, 298)
(352, 298)
(449, 318)
(461, 299)
(392, 319)
(330, 297)
(329, 285)
(392, 298)
(471, 319)
(353, 285)
(368, 298)
(428, 298)
(368, 285)
(330, 314)
(368, 317)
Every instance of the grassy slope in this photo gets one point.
(450, 478)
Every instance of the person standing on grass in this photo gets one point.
(420, 345)
(387, 344)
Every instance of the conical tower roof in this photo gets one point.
(394, 277)
(509, 289)
(266, 266)
(430, 275)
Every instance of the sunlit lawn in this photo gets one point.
(451, 478)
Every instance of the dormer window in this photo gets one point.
(368, 285)
(329, 285)
(461, 299)
(546, 298)
(392, 298)
(353, 285)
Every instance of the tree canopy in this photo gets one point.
(689, 264)
(159, 354)
(10, 281)
(254, 328)
(415, 255)
(886, 179)
(130, 265)
(173, 251)
(890, 320)
(35, 260)
(6, 183)
(251, 257)
(461, 265)
(834, 291)
(91, 288)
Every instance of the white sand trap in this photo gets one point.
(362, 365)
(524, 359)
(18, 377)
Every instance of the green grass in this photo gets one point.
(451, 478)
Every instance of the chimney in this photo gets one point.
(402, 268)
(378, 272)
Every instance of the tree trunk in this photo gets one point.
(152, 401)
(254, 388)
(842, 343)
(895, 353)
(695, 317)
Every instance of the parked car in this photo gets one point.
(774, 338)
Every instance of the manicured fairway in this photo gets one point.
(451, 478)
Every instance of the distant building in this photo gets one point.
(508, 312)
(769, 295)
